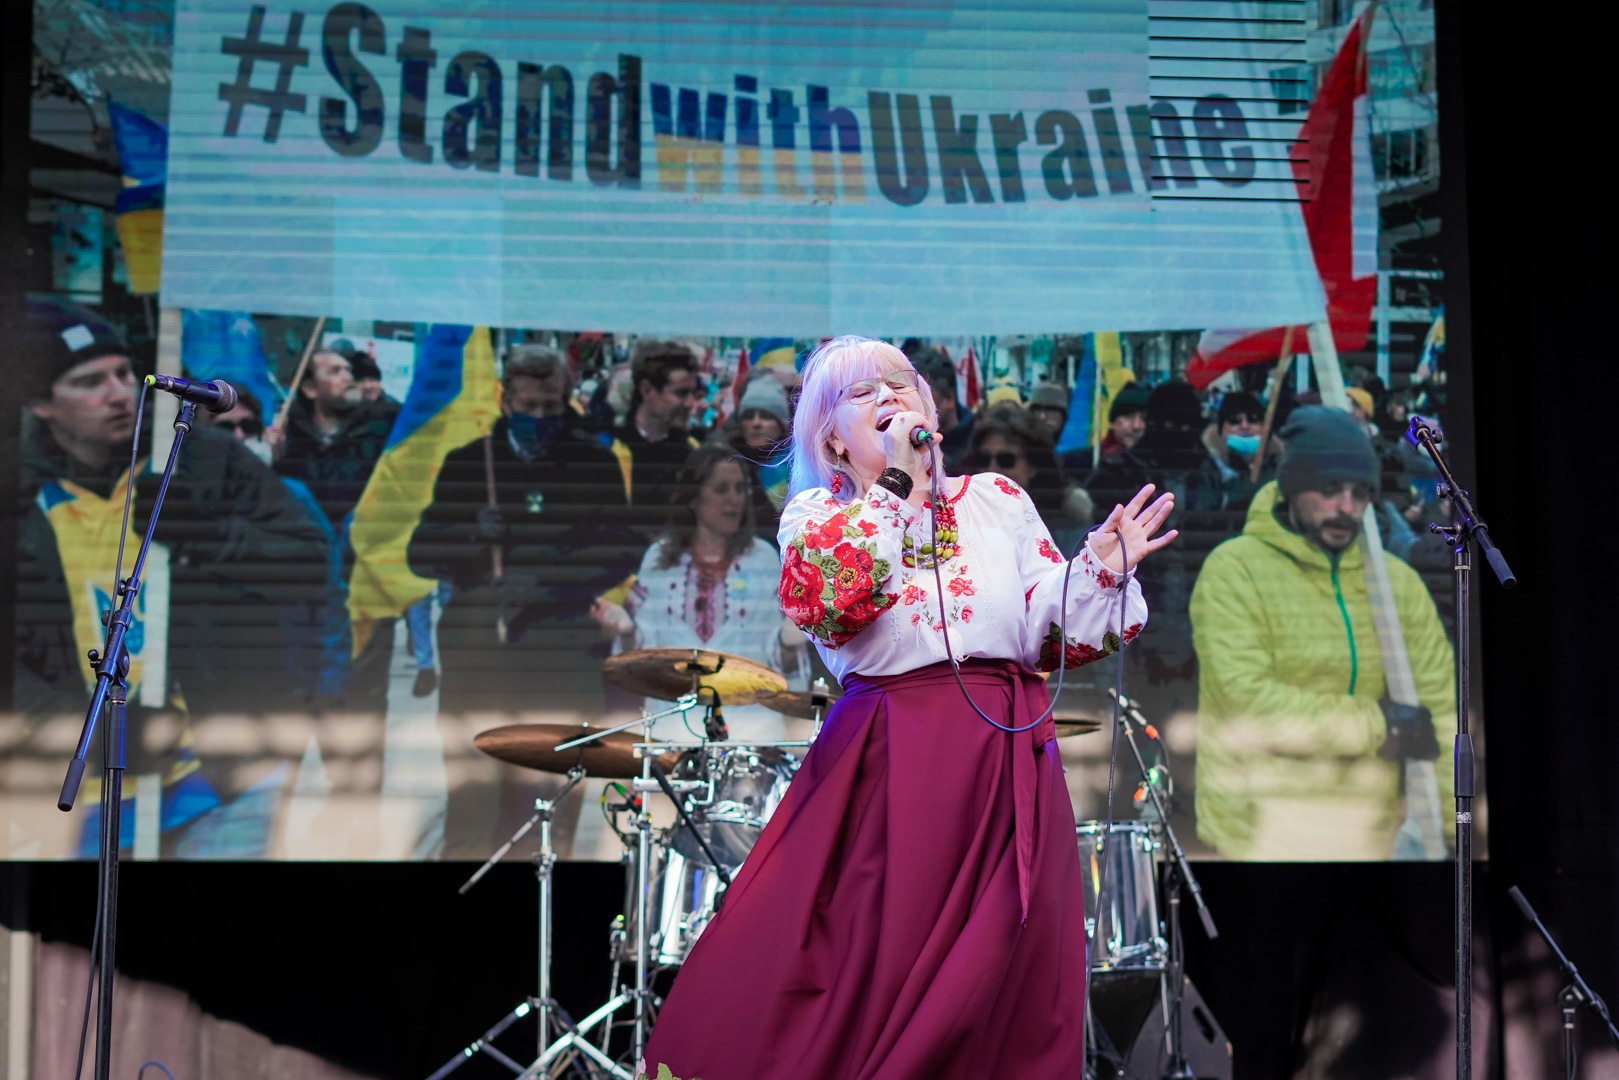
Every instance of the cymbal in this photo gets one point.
(533, 746)
(1075, 725)
(797, 702)
(666, 674)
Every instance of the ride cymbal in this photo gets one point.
(1075, 725)
(666, 674)
(798, 703)
(533, 746)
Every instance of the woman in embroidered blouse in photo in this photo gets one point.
(913, 909)
(710, 583)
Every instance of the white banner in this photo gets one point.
(739, 169)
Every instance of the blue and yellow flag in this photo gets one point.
(773, 353)
(454, 398)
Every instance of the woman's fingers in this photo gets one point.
(1154, 516)
(1135, 504)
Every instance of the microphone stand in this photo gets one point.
(1179, 873)
(1578, 992)
(1465, 529)
(112, 687)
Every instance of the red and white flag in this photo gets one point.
(1332, 171)
(972, 388)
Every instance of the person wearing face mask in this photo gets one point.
(1232, 442)
(912, 909)
(1299, 750)
(558, 530)
(710, 582)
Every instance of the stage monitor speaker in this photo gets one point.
(1208, 1053)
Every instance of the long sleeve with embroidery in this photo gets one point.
(1094, 595)
(836, 559)
(860, 578)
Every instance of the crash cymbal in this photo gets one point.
(797, 702)
(533, 746)
(666, 674)
(1075, 725)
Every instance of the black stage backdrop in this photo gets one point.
(1331, 971)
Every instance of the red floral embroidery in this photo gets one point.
(1078, 653)
(1007, 486)
(853, 578)
(961, 587)
(826, 535)
(967, 614)
(911, 595)
(1049, 552)
(868, 528)
(1105, 578)
(800, 592)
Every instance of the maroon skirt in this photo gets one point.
(911, 912)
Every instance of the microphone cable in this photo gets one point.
(1062, 626)
(1106, 836)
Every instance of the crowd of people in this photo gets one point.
(614, 505)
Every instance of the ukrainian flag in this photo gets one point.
(773, 353)
(454, 398)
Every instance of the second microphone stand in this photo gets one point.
(1466, 529)
(1180, 873)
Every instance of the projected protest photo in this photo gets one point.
(517, 306)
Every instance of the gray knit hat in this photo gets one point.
(1320, 445)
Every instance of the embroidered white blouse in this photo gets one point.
(738, 615)
(857, 576)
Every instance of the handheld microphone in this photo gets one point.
(920, 437)
(217, 396)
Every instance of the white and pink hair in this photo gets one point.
(830, 369)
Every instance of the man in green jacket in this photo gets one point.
(1299, 752)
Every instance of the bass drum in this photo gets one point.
(749, 783)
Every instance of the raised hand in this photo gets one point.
(1138, 522)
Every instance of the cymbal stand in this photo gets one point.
(1180, 872)
(682, 703)
(570, 1038)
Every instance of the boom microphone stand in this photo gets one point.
(1180, 873)
(1466, 528)
(112, 686)
(1578, 992)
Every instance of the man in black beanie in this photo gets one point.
(237, 543)
(1299, 749)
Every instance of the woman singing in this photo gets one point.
(912, 911)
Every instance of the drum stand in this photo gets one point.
(1178, 874)
(570, 1038)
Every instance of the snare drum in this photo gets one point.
(1123, 924)
(748, 785)
(683, 896)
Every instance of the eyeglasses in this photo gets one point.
(904, 381)
(1004, 459)
(245, 427)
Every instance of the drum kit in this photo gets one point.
(723, 793)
